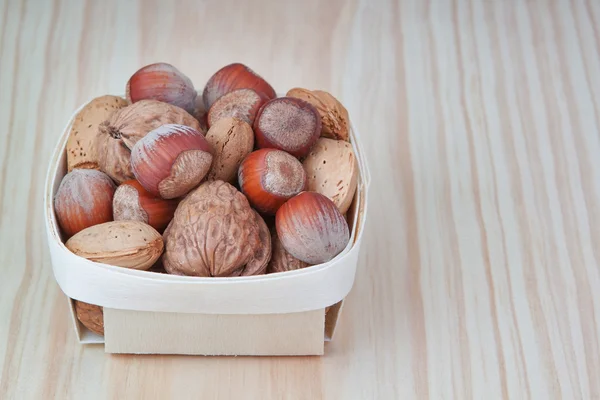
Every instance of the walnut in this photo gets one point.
(215, 233)
(281, 260)
(118, 134)
(81, 146)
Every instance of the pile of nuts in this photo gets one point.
(233, 182)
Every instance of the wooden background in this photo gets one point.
(479, 276)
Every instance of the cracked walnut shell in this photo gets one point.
(216, 233)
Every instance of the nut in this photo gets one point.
(287, 124)
(81, 145)
(231, 77)
(269, 177)
(332, 170)
(128, 244)
(91, 316)
(132, 202)
(118, 135)
(241, 103)
(215, 233)
(162, 82)
(334, 116)
(232, 140)
(84, 198)
(281, 260)
(201, 113)
(171, 160)
(311, 228)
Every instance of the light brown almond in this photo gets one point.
(332, 170)
(128, 244)
(91, 316)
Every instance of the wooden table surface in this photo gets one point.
(479, 275)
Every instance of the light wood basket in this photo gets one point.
(152, 313)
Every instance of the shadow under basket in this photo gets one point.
(288, 313)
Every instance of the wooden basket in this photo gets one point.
(151, 313)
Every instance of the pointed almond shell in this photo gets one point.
(128, 244)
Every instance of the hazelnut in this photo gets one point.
(215, 232)
(231, 77)
(171, 160)
(241, 103)
(269, 177)
(91, 316)
(281, 260)
(81, 145)
(84, 198)
(232, 140)
(332, 170)
(117, 135)
(287, 124)
(132, 202)
(335, 121)
(162, 82)
(311, 228)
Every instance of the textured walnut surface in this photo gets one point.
(215, 233)
(81, 145)
(118, 134)
(281, 260)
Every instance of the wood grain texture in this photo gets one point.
(480, 271)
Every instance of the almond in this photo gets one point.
(91, 316)
(128, 244)
(332, 170)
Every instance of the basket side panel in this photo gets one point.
(147, 332)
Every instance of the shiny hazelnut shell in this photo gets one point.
(84, 198)
(132, 202)
(162, 82)
(270, 177)
(311, 228)
(171, 160)
(231, 77)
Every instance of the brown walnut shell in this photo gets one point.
(81, 145)
(216, 233)
(118, 134)
(281, 260)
